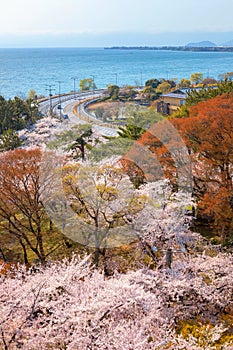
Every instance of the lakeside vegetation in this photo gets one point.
(174, 48)
(16, 114)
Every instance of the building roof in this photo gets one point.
(174, 95)
(183, 92)
(179, 93)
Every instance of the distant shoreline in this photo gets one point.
(174, 48)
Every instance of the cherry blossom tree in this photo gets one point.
(70, 305)
(97, 201)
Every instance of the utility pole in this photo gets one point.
(49, 89)
(59, 92)
(169, 253)
(74, 79)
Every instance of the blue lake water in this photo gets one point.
(25, 69)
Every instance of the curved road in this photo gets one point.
(67, 105)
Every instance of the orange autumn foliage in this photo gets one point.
(208, 133)
(22, 212)
(159, 153)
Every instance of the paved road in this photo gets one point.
(44, 106)
(67, 105)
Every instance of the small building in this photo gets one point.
(170, 102)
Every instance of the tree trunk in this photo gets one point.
(3, 255)
(25, 256)
(50, 225)
(41, 248)
(97, 254)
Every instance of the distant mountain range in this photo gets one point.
(209, 44)
(201, 44)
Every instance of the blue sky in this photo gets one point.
(25, 23)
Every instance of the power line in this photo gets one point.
(74, 79)
(169, 253)
(59, 92)
(50, 89)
